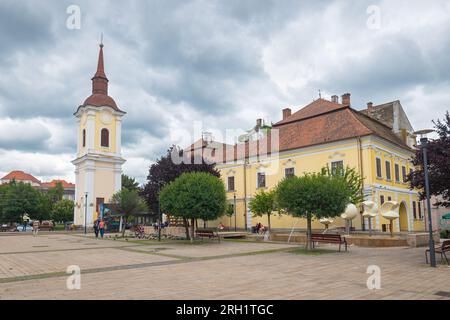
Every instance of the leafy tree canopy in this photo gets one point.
(313, 195)
(166, 170)
(128, 203)
(63, 210)
(263, 203)
(129, 183)
(438, 156)
(194, 195)
(19, 199)
(316, 195)
(353, 180)
(56, 193)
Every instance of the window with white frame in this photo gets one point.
(289, 172)
(378, 165)
(397, 172)
(261, 180)
(230, 184)
(337, 166)
(388, 170)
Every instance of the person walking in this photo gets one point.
(96, 228)
(101, 226)
(35, 227)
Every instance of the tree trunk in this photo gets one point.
(268, 220)
(186, 227)
(124, 226)
(192, 230)
(308, 234)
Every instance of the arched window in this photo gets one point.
(104, 138)
(84, 137)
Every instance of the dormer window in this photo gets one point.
(104, 138)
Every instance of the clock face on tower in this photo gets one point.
(106, 117)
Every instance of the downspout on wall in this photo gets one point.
(361, 173)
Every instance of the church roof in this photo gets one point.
(100, 97)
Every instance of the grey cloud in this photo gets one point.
(25, 136)
(205, 55)
(23, 27)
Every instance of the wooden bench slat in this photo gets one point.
(329, 238)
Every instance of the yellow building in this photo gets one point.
(99, 160)
(378, 142)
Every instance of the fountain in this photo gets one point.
(326, 222)
(370, 212)
(350, 213)
(389, 210)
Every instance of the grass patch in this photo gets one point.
(59, 227)
(314, 252)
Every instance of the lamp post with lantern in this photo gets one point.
(423, 145)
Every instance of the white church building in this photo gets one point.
(99, 159)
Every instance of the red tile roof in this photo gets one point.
(20, 176)
(53, 183)
(319, 122)
(313, 109)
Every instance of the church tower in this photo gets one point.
(99, 159)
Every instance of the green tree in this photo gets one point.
(438, 156)
(128, 203)
(313, 196)
(194, 195)
(45, 207)
(263, 203)
(129, 183)
(63, 210)
(55, 193)
(166, 170)
(353, 180)
(3, 190)
(19, 199)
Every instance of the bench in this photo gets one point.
(207, 233)
(329, 238)
(442, 249)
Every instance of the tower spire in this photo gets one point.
(100, 81)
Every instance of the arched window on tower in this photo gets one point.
(104, 138)
(84, 137)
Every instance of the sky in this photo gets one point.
(182, 67)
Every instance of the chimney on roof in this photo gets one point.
(370, 109)
(346, 99)
(286, 113)
(335, 98)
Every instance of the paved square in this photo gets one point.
(34, 268)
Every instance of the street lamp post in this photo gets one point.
(159, 213)
(85, 212)
(423, 144)
(234, 207)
